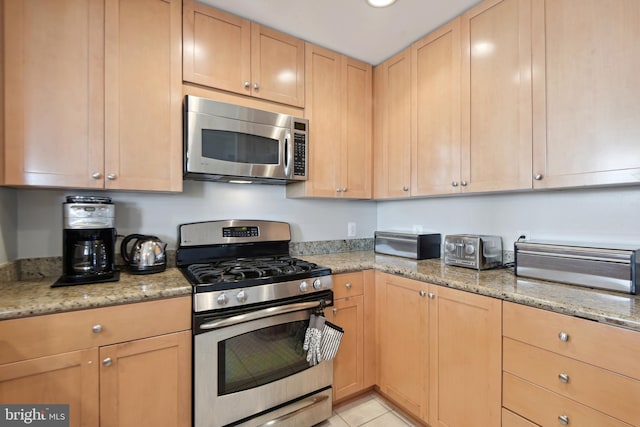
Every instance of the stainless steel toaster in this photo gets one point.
(480, 252)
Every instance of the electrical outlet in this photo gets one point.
(523, 235)
(351, 229)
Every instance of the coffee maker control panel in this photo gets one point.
(88, 215)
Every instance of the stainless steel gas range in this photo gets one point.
(251, 308)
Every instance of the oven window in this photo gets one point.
(239, 147)
(262, 356)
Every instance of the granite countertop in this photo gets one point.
(34, 297)
(613, 308)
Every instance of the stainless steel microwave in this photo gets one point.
(226, 142)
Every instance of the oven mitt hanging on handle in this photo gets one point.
(312, 339)
(331, 336)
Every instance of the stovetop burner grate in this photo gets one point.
(241, 269)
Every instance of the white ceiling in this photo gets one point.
(350, 27)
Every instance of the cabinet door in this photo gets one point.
(54, 92)
(392, 127)
(435, 152)
(356, 150)
(66, 378)
(324, 114)
(217, 48)
(403, 362)
(586, 93)
(143, 129)
(496, 96)
(147, 382)
(277, 66)
(348, 366)
(465, 359)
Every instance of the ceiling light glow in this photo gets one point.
(380, 3)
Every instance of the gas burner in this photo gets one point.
(243, 269)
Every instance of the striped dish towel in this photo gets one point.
(331, 336)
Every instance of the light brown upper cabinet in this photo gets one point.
(392, 127)
(435, 107)
(339, 91)
(586, 92)
(96, 104)
(496, 120)
(227, 52)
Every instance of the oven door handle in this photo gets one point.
(259, 314)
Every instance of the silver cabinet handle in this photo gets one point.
(564, 420)
(344, 189)
(256, 86)
(422, 293)
(563, 378)
(247, 85)
(347, 285)
(432, 295)
(112, 176)
(107, 361)
(338, 190)
(454, 184)
(538, 177)
(463, 183)
(96, 329)
(335, 310)
(405, 188)
(96, 175)
(563, 336)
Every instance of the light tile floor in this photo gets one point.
(370, 410)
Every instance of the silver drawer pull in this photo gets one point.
(96, 329)
(422, 293)
(107, 361)
(563, 336)
(432, 295)
(564, 420)
(347, 285)
(563, 378)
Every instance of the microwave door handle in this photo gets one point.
(260, 314)
(287, 154)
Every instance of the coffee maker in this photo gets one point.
(88, 241)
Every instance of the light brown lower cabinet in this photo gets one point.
(562, 370)
(440, 352)
(353, 311)
(144, 381)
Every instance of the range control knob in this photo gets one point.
(304, 286)
(469, 249)
(222, 299)
(317, 284)
(242, 296)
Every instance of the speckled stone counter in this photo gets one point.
(34, 297)
(608, 307)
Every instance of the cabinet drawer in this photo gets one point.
(546, 408)
(348, 285)
(573, 337)
(37, 336)
(509, 419)
(606, 391)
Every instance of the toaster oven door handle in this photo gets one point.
(259, 314)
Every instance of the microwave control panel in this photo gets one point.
(299, 154)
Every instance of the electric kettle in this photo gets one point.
(146, 255)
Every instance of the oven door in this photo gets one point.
(249, 369)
